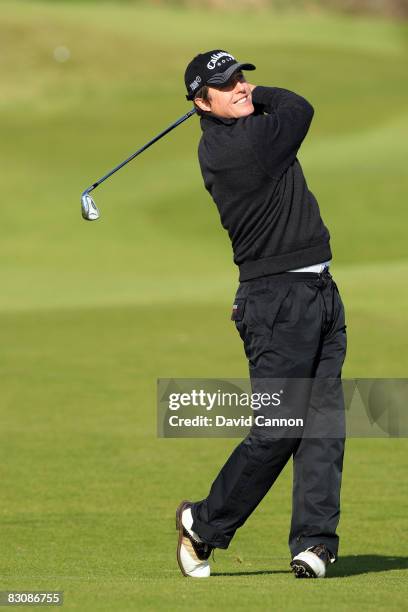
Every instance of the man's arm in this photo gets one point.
(277, 135)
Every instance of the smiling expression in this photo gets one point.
(232, 101)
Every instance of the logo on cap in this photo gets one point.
(196, 83)
(216, 56)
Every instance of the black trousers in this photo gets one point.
(292, 326)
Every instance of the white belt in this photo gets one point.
(315, 268)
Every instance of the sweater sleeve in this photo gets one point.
(277, 135)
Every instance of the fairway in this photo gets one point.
(91, 314)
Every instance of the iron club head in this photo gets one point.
(90, 211)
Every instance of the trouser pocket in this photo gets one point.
(255, 316)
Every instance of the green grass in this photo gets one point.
(93, 314)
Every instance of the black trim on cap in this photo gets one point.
(219, 78)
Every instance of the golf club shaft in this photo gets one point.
(155, 139)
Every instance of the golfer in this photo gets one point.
(287, 310)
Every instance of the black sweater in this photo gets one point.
(250, 168)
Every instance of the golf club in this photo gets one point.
(90, 211)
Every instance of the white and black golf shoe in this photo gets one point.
(192, 552)
(312, 562)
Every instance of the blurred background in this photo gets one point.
(92, 314)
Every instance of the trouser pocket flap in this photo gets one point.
(238, 309)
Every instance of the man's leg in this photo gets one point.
(318, 461)
(241, 484)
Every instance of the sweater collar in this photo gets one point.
(209, 120)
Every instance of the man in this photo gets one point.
(287, 310)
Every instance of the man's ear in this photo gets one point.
(202, 104)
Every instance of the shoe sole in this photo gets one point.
(179, 526)
(301, 569)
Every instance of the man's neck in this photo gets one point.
(217, 119)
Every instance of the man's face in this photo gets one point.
(232, 101)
